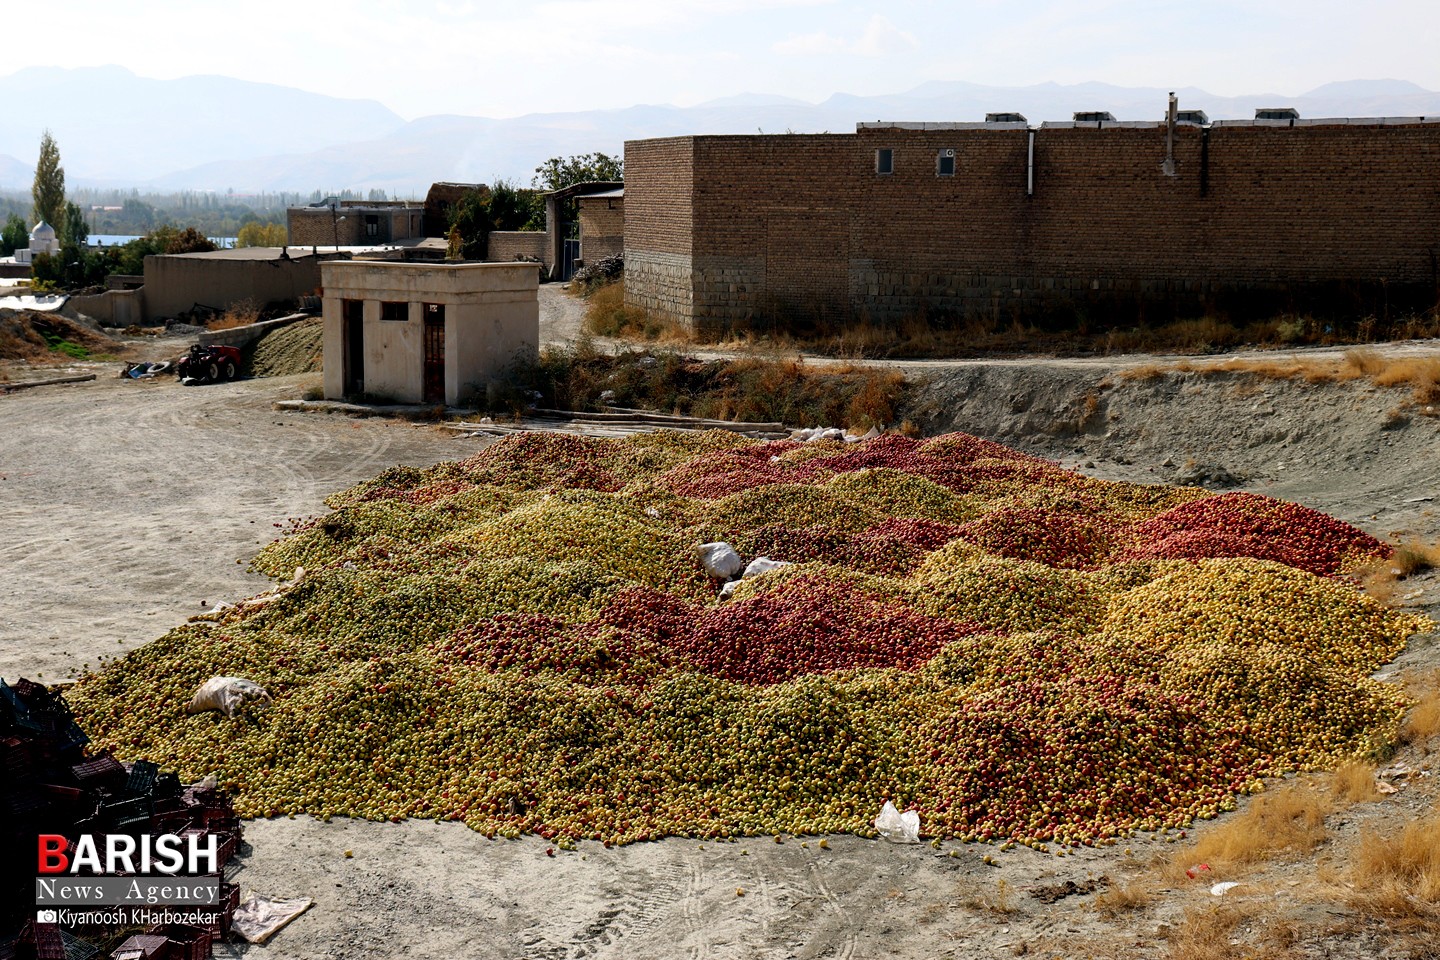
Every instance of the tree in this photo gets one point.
(557, 173)
(73, 231)
(511, 207)
(257, 233)
(48, 190)
(14, 237)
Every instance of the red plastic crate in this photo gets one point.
(99, 769)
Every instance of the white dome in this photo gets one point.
(42, 231)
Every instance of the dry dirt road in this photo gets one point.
(124, 507)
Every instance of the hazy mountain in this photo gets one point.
(114, 127)
(255, 136)
(14, 175)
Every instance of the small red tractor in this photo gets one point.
(209, 364)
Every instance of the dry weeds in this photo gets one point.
(1423, 721)
(1398, 876)
(241, 313)
(1354, 782)
(1420, 374)
(1289, 818)
(1124, 898)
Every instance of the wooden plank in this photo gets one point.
(26, 384)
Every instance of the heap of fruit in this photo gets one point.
(525, 641)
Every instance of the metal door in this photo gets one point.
(353, 371)
(434, 352)
(569, 250)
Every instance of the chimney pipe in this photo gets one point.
(1168, 167)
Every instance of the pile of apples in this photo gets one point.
(525, 641)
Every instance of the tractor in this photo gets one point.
(209, 364)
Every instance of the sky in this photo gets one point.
(481, 58)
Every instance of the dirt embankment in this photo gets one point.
(1351, 448)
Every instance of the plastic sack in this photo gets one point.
(258, 918)
(720, 560)
(226, 694)
(763, 565)
(898, 827)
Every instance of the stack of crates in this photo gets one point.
(50, 784)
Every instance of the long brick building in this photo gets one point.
(1093, 218)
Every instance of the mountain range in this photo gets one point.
(116, 129)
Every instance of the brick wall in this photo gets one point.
(602, 227)
(1257, 216)
(506, 245)
(659, 238)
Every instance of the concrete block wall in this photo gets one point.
(1259, 215)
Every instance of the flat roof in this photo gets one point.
(603, 195)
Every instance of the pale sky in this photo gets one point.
(484, 58)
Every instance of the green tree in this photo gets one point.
(470, 226)
(15, 236)
(511, 207)
(257, 233)
(557, 173)
(73, 231)
(48, 190)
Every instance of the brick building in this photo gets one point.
(1066, 220)
(355, 223)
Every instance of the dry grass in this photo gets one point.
(1423, 721)
(1288, 819)
(1205, 934)
(606, 315)
(1381, 578)
(1124, 898)
(999, 900)
(1354, 782)
(241, 313)
(1398, 876)
(1420, 374)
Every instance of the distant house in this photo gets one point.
(597, 230)
(426, 332)
(349, 223)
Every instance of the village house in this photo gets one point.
(1062, 222)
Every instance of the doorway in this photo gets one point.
(353, 322)
(434, 391)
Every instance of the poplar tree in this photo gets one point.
(49, 188)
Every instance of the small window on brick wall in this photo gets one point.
(390, 310)
(884, 161)
(945, 163)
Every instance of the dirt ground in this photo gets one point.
(127, 506)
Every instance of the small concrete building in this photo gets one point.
(423, 332)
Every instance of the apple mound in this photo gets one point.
(525, 642)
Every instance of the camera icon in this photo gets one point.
(47, 916)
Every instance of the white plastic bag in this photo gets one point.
(258, 918)
(763, 565)
(898, 827)
(720, 560)
(226, 694)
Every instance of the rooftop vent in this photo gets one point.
(1005, 118)
(1094, 116)
(1277, 113)
(1192, 116)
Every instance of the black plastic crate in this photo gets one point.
(126, 810)
(167, 784)
(77, 949)
(141, 781)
